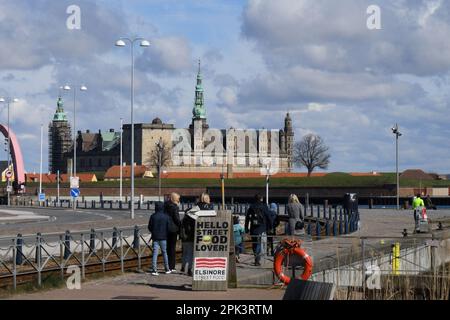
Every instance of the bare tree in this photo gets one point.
(160, 155)
(311, 152)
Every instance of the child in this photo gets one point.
(238, 231)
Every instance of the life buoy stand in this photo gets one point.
(288, 248)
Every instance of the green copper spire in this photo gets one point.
(60, 115)
(199, 110)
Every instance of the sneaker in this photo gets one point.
(182, 269)
(168, 272)
(189, 273)
(257, 264)
(155, 273)
(173, 271)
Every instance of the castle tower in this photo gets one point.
(59, 138)
(289, 140)
(199, 125)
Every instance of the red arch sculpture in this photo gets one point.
(16, 155)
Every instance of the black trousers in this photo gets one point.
(171, 249)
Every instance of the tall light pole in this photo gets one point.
(81, 88)
(397, 135)
(8, 101)
(40, 163)
(122, 43)
(121, 160)
(68, 87)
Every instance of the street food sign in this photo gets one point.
(212, 252)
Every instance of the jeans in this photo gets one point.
(188, 255)
(258, 241)
(156, 245)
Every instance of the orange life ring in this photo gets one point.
(291, 247)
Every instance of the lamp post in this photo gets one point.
(397, 135)
(121, 163)
(122, 43)
(8, 101)
(74, 162)
(40, 163)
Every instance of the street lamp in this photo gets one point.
(122, 43)
(82, 88)
(121, 163)
(8, 101)
(267, 182)
(397, 135)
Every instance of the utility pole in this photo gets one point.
(397, 135)
(267, 183)
(57, 186)
(121, 163)
(40, 165)
(160, 149)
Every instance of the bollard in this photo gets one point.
(139, 204)
(148, 204)
(92, 241)
(346, 224)
(335, 228)
(114, 237)
(111, 204)
(136, 238)
(120, 204)
(318, 212)
(371, 203)
(102, 204)
(325, 206)
(76, 204)
(318, 229)
(129, 204)
(327, 229)
(312, 210)
(67, 244)
(19, 254)
(38, 252)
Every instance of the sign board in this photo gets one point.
(74, 182)
(41, 196)
(212, 247)
(9, 188)
(8, 174)
(74, 192)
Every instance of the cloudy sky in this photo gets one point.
(260, 58)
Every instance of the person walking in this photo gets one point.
(417, 204)
(295, 213)
(238, 232)
(158, 226)
(187, 232)
(171, 208)
(257, 222)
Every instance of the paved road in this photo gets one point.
(60, 220)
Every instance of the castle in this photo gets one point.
(197, 148)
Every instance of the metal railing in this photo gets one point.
(34, 255)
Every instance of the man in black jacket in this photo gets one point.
(187, 235)
(159, 229)
(257, 222)
(171, 208)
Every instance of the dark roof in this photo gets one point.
(416, 174)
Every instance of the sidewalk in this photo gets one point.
(136, 286)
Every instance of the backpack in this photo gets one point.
(257, 217)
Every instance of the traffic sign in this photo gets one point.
(8, 174)
(74, 182)
(9, 188)
(41, 196)
(74, 192)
